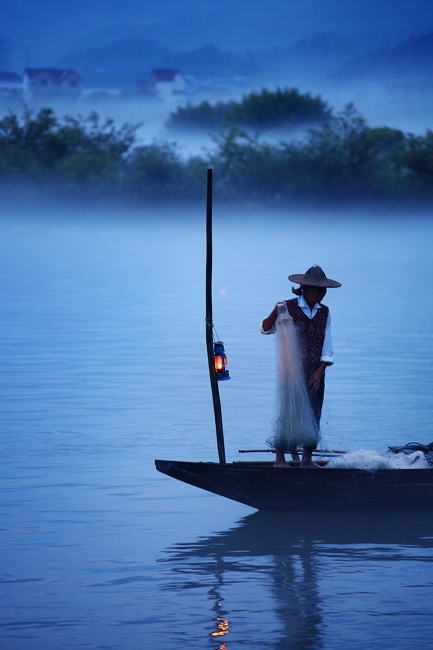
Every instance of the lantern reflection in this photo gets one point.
(223, 628)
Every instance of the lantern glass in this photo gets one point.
(220, 361)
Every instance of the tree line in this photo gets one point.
(283, 107)
(342, 159)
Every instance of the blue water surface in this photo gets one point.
(103, 369)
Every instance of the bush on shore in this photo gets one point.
(343, 159)
(283, 107)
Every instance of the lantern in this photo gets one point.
(220, 361)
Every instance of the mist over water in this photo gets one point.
(404, 104)
(102, 348)
(381, 104)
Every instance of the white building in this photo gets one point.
(11, 85)
(51, 83)
(162, 82)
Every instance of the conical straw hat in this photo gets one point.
(314, 277)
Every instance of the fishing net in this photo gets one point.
(371, 461)
(295, 424)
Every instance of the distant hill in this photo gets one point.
(40, 31)
(138, 56)
(309, 59)
(412, 57)
(323, 44)
(126, 54)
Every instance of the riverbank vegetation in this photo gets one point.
(342, 159)
(267, 109)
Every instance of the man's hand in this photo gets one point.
(317, 377)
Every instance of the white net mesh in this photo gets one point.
(370, 460)
(295, 424)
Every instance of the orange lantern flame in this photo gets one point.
(220, 361)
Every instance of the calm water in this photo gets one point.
(103, 370)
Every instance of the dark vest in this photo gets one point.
(311, 334)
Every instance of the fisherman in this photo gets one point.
(313, 326)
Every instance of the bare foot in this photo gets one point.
(281, 463)
(280, 460)
(310, 463)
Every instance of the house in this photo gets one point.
(162, 82)
(167, 81)
(11, 85)
(51, 83)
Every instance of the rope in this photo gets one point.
(209, 323)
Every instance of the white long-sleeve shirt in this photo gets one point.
(327, 351)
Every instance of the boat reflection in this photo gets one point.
(286, 551)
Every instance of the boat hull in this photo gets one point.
(264, 487)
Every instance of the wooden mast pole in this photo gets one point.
(209, 326)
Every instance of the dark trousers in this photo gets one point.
(316, 401)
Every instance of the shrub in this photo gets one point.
(343, 159)
(75, 151)
(267, 109)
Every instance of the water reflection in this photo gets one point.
(290, 554)
(90, 322)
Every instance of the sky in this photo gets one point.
(42, 30)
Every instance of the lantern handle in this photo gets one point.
(209, 323)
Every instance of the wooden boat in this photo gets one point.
(261, 486)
